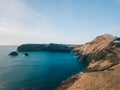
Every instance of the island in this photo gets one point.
(103, 70)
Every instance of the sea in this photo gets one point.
(38, 71)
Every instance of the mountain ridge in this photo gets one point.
(103, 58)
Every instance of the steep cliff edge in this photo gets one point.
(102, 72)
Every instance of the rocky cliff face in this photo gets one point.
(103, 49)
(102, 73)
(86, 51)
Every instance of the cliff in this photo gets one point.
(45, 47)
(102, 72)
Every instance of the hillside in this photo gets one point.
(102, 72)
(52, 47)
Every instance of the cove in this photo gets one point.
(38, 71)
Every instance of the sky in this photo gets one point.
(57, 21)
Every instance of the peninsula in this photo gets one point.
(103, 71)
(52, 47)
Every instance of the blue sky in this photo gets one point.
(57, 21)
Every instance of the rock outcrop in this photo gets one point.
(45, 47)
(26, 54)
(13, 54)
(102, 72)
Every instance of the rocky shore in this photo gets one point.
(103, 71)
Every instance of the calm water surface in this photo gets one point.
(39, 71)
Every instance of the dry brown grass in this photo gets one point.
(103, 71)
(104, 80)
(95, 45)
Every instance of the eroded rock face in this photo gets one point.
(91, 48)
(100, 50)
(13, 54)
(103, 56)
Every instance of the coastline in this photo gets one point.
(37, 65)
(102, 72)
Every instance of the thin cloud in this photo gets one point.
(20, 21)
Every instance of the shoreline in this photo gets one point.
(102, 55)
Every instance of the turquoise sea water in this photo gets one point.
(38, 71)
